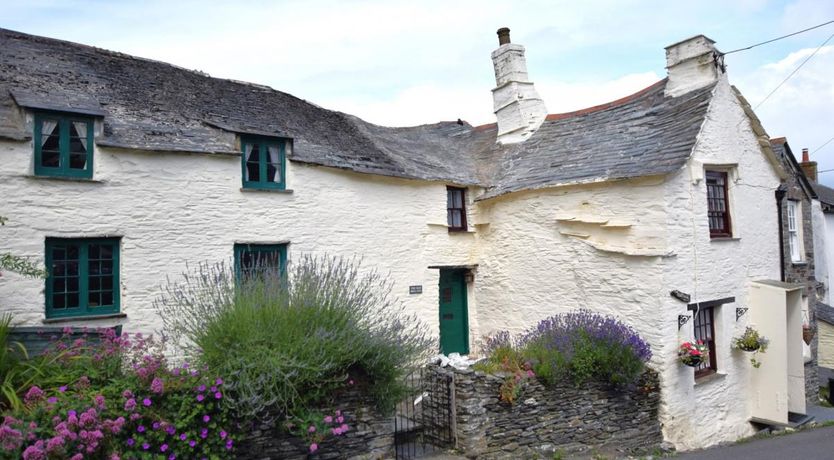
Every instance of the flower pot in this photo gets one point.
(749, 349)
(808, 334)
(693, 361)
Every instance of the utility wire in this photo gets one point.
(823, 145)
(794, 72)
(779, 38)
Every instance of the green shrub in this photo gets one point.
(581, 346)
(293, 340)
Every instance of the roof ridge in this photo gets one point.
(591, 109)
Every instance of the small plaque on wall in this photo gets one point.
(415, 289)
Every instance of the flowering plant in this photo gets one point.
(693, 353)
(131, 404)
(315, 427)
(751, 341)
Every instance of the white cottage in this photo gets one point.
(118, 170)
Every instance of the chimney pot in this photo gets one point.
(805, 157)
(503, 36)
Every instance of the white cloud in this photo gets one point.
(803, 108)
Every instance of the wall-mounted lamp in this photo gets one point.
(740, 311)
(469, 277)
(683, 319)
(682, 296)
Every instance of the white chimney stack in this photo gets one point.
(517, 106)
(691, 64)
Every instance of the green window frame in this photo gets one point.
(252, 258)
(263, 162)
(83, 276)
(63, 145)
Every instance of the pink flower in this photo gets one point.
(328, 419)
(200, 397)
(34, 394)
(223, 434)
(219, 381)
(62, 389)
(157, 386)
(163, 447)
(314, 447)
(146, 402)
(206, 419)
(312, 429)
(344, 428)
(218, 395)
(130, 405)
(192, 443)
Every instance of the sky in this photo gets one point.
(401, 63)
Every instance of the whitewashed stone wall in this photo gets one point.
(172, 209)
(700, 414)
(617, 248)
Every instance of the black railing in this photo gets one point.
(425, 418)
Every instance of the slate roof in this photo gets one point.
(825, 194)
(783, 151)
(825, 313)
(151, 105)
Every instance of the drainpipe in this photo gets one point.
(780, 195)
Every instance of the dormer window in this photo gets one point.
(263, 162)
(63, 145)
(456, 209)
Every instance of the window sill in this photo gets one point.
(67, 319)
(800, 263)
(703, 380)
(61, 178)
(725, 238)
(268, 190)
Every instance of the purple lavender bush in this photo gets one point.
(582, 346)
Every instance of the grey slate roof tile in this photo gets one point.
(156, 106)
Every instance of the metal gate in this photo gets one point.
(425, 419)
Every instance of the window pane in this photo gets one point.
(273, 166)
(253, 164)
(50, 143)
(58, 301)
(73, 301)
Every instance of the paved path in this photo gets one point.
(808, 444)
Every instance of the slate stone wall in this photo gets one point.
(371, 435)
(803, 272)
(593, 418)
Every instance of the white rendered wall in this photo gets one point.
(173, 209)
(694, 414)
(822, 261)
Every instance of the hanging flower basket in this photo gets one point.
(753, 342)
(808, 333)
(692, 354)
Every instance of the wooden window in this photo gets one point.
(704, 325)
(718, 204)
(263, 162)
(794, 234)
(456, 209)
(63, 145)
(254, 259)
(83, 276)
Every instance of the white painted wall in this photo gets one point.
(697, 415)
(822, 270)
(617, 248)
(171, 209)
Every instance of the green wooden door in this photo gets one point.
(454, 323)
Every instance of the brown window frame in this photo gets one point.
(703, 326)
(450, 209)
(714, 213)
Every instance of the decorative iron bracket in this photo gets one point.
(683, 319)
(740, 311)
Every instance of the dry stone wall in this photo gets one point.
(563, 418)
(371, 435)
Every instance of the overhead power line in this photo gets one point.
(823, 145)
(779, 38)
(794, 71)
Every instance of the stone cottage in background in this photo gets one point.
(823, 224)
(795, 199)
(118, 170)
